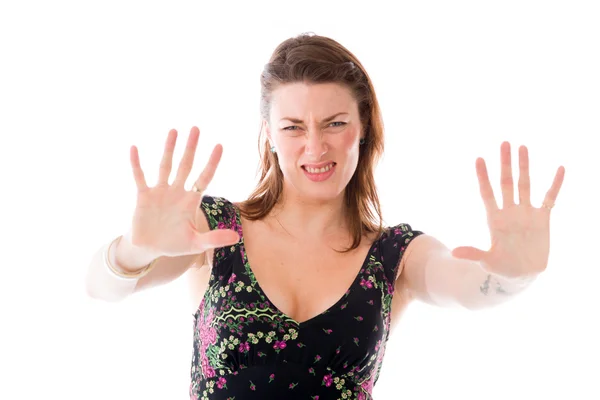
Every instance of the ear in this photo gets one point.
(267, 129)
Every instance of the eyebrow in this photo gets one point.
(299, 121)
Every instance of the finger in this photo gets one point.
(167, 159)
(187, 161)
(506, 176)
(552, 193)
(209, 170)
(138, 174)
(524, 183)
(214, 239)
(469, 253)
(485, 187)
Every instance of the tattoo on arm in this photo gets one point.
(485, 286)
(501, 289)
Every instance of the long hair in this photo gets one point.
(317, 59)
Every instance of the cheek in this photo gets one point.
(349, 142)
(348, 145)
(289, 151)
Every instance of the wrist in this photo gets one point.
(129, 257)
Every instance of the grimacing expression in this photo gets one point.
(316, 130)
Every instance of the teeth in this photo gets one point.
(319, 170)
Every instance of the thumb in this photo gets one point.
(216, 238)
(469, 253)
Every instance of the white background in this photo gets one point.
(82, 81)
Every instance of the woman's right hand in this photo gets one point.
(164, 222)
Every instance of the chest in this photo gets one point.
(302, 279)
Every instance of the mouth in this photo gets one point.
(318, 169)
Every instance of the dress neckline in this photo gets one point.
(258, 287)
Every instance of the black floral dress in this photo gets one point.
(245, 348)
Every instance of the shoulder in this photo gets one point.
(210, 203)
(399, 236)
(401, 231)
(395, 243)
(220, 213)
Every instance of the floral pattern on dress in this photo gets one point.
(245, 348)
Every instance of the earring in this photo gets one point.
(361, 141)
(272, 149)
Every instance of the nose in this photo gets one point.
(316, 147)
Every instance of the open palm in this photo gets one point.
(166, 215)
(520, 233)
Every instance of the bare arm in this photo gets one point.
(519, 251)
(101, 284)
(431, 274)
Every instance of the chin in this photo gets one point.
(324, 191)
(321, 195)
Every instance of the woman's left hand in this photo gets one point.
(520, 233)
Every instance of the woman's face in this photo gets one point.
(316, 130)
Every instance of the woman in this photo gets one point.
(296, 289)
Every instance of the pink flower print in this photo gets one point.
(208, 336)
(314, 398)
(221, 225)
(301, 345)
(279, 345)
(271, 378)
(327, 380)
(390, 288)
(210, 372)
(356, 341)
(367, 386)
(231, 279)
(311, 370)
(317, 358)
(370, 302)
(377, 345)
(359, 318)
(327, 331)
(293, 385)
(337, 351)
(366, 284)
(244, 347)
(221, 383)
(252, 386)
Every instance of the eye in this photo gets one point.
(290, 128)
(333, 124)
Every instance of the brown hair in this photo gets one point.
(317, 59)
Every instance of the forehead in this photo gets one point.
(319, 99)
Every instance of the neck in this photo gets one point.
(302, 217)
